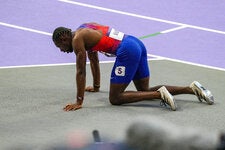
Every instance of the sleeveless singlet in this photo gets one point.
(110, 40)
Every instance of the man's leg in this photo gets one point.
(118, 95)
(195, 89)
(143, 85)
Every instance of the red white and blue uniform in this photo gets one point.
(131, 56)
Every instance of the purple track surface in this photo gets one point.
(191, 31)
(196, 43)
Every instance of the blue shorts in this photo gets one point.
(131, 61)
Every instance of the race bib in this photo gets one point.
(116, 34)
(120, 71)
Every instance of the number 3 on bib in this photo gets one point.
(120, 71)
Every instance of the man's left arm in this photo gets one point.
(95, 69)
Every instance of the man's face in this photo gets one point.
(65, 44)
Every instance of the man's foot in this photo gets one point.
(202, 93)
(167, 98)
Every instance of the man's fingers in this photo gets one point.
(71, 107)
(78, 107)
(89, 89)
(67, 107)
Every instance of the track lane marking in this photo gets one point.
(25, 29)
(141, 16)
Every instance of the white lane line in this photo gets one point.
(186, 62)
(62, 64)
(174, 29)
(50, 34)
(141, 16)
(32, 66)
(156, 58)
(24, 28)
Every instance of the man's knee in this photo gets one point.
(114, 100)
(116, 93)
